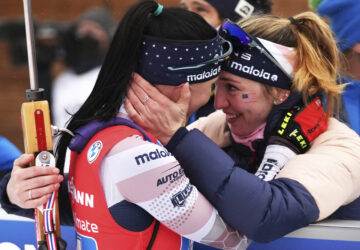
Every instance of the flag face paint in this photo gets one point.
(248, 97)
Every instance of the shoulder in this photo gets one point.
(214, 127)
(330, 170)
(134, 151)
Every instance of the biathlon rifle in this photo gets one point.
(37, 132)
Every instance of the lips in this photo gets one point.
(230, 118)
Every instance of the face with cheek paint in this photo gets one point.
(246, 103)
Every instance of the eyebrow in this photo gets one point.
(201, 3)
(226, 79)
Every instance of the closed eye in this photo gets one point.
(201, 9)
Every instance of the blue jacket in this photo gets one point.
(264, 211)
(8, 153)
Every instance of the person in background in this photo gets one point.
(215, 12)
(85, 44)
(344, 19)
(8, 153)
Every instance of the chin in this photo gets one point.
(239, 131)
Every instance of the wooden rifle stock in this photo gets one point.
(37, 132)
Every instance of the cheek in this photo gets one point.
(200, 95)
(262, 110)
(254, 107)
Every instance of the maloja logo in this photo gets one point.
(253, 71)
(94, 151)
(204, 75)
(153, 155)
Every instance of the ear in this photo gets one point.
(356, 48)
(280, 96)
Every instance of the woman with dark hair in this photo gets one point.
(121, 181)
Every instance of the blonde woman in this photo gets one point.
(281, 62)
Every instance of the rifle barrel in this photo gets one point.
(30, 42)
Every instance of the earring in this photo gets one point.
(275, 102)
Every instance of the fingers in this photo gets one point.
(142, 88)
(42, 181)
(37, 193)
(139, 107)
(23, 161)
(31, 172)
(38, 196)
(35, 196)
(141, 95)
(134, 115)
(34, 203)
(185, 94)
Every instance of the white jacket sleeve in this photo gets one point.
(214, 127)
(330, 170)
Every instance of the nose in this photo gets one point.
(220, 98)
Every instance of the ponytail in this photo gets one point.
(318, 58)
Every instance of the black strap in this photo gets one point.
(153, 236)
(294, 22)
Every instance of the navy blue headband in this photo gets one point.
(257, 59)
(172, 62)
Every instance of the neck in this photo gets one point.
(248, 140)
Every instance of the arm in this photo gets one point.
(263, 211)
(159, 186)
(214, 127)
(310, 187)
(330, 170)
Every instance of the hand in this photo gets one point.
(155, 112)
(297, 129)
(300, 126)
(30, 187)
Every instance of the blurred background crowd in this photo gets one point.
(72, 38)
(64, 31)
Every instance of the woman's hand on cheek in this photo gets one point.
(155, 112)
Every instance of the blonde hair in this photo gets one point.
(318, 59)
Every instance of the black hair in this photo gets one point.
(121, 60)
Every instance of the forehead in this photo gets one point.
(195, 2)
(240, 81)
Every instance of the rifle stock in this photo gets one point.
(35, 117)
(37, 132)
